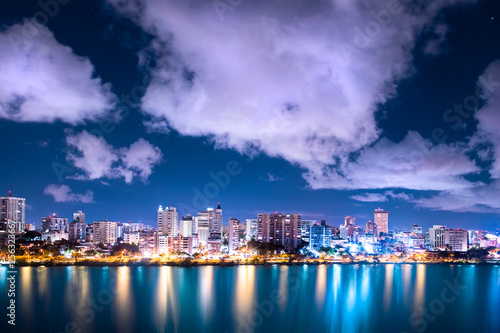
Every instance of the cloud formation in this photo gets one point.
(98, 159)
(63, 193)
(303, 81)
(382, 197)
(42, 80)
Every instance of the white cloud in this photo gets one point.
(278, 78)
(489, 115)
(42, 80)
(414, 163)
(272, 178)
(63, 193)
(98, 159)
(382, 197)
(370, 197)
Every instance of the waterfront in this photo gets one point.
(335, 298)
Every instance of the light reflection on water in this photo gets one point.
(335, 298)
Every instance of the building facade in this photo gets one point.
(280, 229)
(104, 232)
(168, 223)
(320, 236)
(13, 211)
(381, 219)
(53, 223)
(234, 235)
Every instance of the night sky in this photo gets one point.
(325, 108)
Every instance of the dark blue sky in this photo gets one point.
(405, 85)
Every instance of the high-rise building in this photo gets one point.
(76, 231)
(321, 236)
(381, 219)
(53, 223)
(371, 228)
(416, 229)
(104, 232)
(168, 221)
(252, 228)
(13, 211)
(209, 224)
(305, 229)
(280, 229)
(349, 220)
(148, 243)
(456, 240)
(79, 216)
(436, 236)
(234, 235)
(186, 226)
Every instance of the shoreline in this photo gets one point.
(147, 263)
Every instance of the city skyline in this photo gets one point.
(415, 138)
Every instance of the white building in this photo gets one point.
(79, 216)
(104, 232)
(52, 223)
(54, 235)
(186, 226)
(234, 235)
(209, 224)
(131, 238)
(251, 228)
(12, 210)
(168, 223)
(381, 219)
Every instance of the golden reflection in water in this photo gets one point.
(389, 278)
(283, 288)
(245, 285)
(320, 287)
(206, 297)
(76, 293)
(26, 287)
(161, 304)
(406, 271)
(124, 305)
(43, 282)
(420, 287)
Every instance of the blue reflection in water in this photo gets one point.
(331, 298)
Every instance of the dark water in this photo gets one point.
(337, 298)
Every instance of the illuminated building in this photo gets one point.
(381, 219)
(13, 210)
(104, 232)
(168, 221)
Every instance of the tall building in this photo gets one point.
(13, 211)
(349, 220)
(416, 229)
(252, 228)
(186, 226)
(168, 221)
(53, 223)
(76, 231)
(321, 236)
(456, 239)
(104, 232)
(280, 229)
(234, 235)
(210, 224)
(381, 219)
(305, 229)
(79, 216)
(436, 236)
(148, 243)
(371, 228)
